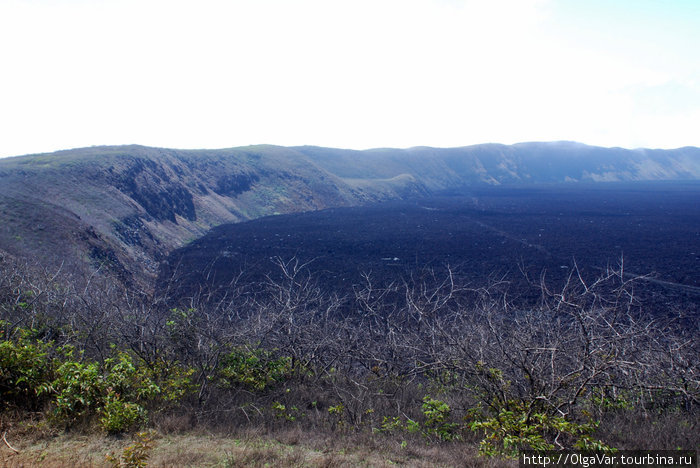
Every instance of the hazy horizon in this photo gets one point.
(341, 148)
(357, 75)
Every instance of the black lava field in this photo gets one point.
(483, 234)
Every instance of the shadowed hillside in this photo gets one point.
(121, 209)
(124, 207)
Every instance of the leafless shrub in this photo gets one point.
(589, 345)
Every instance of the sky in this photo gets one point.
(347, 73)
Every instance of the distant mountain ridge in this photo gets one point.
(122, 208)
(550, 162)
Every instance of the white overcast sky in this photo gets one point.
(351, 74)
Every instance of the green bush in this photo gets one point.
(255, 369)
(437, 419)
(513, 425)
(34, 373)
(122, 376)
(437, 422)
(117, 390)
(120, 416)
(394, 424)
(135, 455)
(25, 372)
(79, 388)
(288, 414)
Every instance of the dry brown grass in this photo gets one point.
(635, 430)
(252, 448)
(177, 442)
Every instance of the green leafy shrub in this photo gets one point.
(286, 413)
(395, 424)
(34, 373)
(117, 391)
(25, 372)
(390, 425)
(437, 419)
(129, 385)
(515, 425)
(256, 369)
(337, 416)
(172, 378)
(135, 455)
(78, 388)
(119, 416)
(437, 422)
(123, 376)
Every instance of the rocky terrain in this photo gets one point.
(121, 209)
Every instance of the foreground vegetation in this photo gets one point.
(290, 447)
(400, 369)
